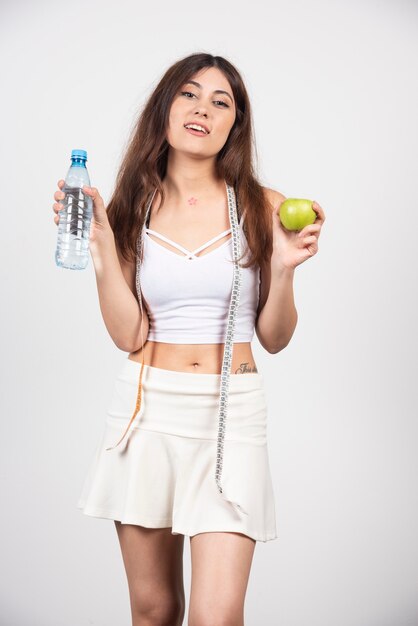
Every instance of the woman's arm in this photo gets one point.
(119, 305)
(276, 315)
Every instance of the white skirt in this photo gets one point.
(164, 474)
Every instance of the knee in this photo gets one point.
(166, 612)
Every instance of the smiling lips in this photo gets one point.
(198, 133)
(195, 131)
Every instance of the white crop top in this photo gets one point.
(187, 295)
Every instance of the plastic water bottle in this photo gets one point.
(72, 250)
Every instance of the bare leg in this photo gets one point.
(221, 563)
(153, 560)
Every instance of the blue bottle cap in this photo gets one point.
(79, 154)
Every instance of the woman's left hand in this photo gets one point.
(290, 248)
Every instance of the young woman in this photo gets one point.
(191, 234)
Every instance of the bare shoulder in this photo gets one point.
(273, 196)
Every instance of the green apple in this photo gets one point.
(296, 213)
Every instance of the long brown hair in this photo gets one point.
(145, 161)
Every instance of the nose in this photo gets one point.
(202, 110)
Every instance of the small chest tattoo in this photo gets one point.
(192, 200)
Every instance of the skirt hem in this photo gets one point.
(168, 523)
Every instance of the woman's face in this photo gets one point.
(197, 102)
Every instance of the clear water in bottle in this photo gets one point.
(72, 250)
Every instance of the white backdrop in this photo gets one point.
(334, 92)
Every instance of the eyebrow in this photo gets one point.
(193, 82)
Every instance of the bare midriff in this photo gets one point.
(198, 358)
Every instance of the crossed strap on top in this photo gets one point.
(188, 253)
(229, 336)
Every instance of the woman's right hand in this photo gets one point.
(100, 227)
